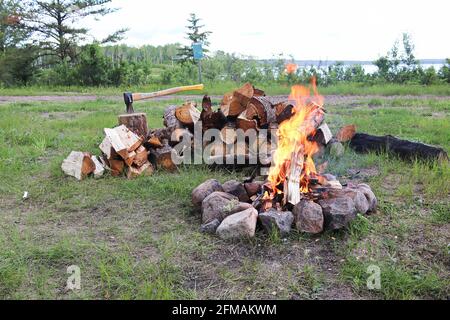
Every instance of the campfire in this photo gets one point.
(293, 170)
(294, 192)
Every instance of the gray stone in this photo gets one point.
(219, 205)
(337, 212)
(370, 196)
(278, 220)
(359, 199)
(336, 149)
(239, 225)
(308, 217)
(237, 189)
(329, 177)
(204, 190)
(210, 227)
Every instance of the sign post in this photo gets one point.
(198, 55)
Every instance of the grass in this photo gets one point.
(219, 88)
(140, 239)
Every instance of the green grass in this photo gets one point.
(219, 88)
(140, 239)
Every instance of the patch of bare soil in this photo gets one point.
(63, 115)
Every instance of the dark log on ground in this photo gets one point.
(405, 149)
(136, 122)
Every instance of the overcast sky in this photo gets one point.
(314, 29)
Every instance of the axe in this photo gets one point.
(131, 97)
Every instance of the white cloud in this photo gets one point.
(314, 29)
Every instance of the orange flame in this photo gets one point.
(291, 68)
(293, 138)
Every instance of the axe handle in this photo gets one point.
(143, 96)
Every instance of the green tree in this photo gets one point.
(444, 72)
(16, 59)
(55, 24)
(10, 35)
(194, 35)
(93, 66)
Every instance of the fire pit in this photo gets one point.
(293, 192)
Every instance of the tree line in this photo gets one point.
(41, 43)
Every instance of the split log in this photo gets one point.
(146, 169)
(187, 114)
(141, 157)
(242, 122)
(130, 159)
(179, 134)
(283, 111)
(323, 134)
(209, 118)
(78, 164)
(136, 122)
(117, 166)
(107, 149)
(163, 158)
(265, 111)
(240, 100)
(405, 149)
(123, 140)
(170, 120)
(225, 103)
(158, 136)
(154, 142)
(99, 168)
(228, 133)
(292, 183)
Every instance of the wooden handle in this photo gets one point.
(143, 96)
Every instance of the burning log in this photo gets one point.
(407, 150)
(292, 182)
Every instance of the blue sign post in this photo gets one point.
(198, 50)
(198, 55)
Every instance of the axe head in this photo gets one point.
(128, 98)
